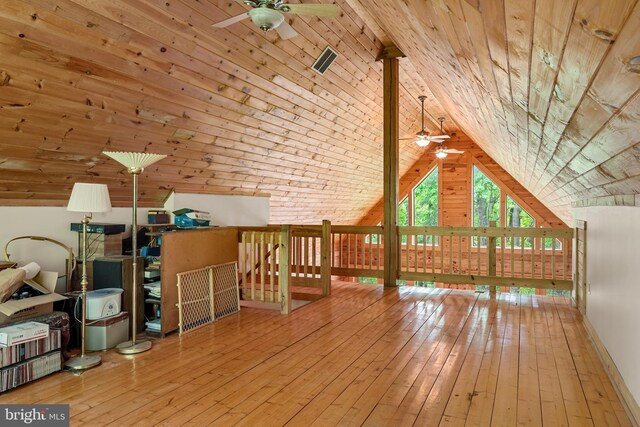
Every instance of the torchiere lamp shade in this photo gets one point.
(89, 198)
(134, 160)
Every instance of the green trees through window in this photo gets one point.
(486, 202)
(425, 205)
(518, 217)
(425, 202)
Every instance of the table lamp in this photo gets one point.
(135, 164)
(87, 198)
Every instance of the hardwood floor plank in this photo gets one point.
(551, 402)
(365, 355)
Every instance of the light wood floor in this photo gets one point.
(364, 356)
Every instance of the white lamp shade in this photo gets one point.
(89, 198)
(134, 160)
(441, 154)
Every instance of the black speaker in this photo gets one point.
(116, 272)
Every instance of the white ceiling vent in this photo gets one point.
(324, 60)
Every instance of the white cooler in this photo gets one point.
(107, 333)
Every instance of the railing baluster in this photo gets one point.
(379, 241)
(415, 255)
(553, 259)
(513, 272)
(363, 245)
(542, 256)
(564, 259)
(305, 254)
(355, 250)
(521, 257)
(433, 253)
(272, 265)
(479, 260)
(459, 254)
(406, 252)
(450, 240)
(424, 253)
(348, 250)
(332, 250)
(243, 263)
(370, 251)
(502, 243)
(262, 261)
(469, 240)
(313, 257)
(441, 241)
(252, 260)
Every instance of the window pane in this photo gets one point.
(403, 216)
(486, 202)
(518, 217)
(425, 203)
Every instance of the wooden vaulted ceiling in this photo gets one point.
(547, 88)
(238, 111)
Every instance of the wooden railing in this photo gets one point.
(519, 257)
(357, 251)
(276, 261)
(264, 265)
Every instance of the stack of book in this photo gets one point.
(154, 325)
(28, 358)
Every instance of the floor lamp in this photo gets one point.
(87, 198)
(135, 164)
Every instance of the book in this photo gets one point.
(22, 373)
(27, 350)
(23, 332)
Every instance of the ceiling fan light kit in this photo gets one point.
(269, 15)
(266, 19)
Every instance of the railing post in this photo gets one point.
(284, 269)
(325, 258)
(491, 252)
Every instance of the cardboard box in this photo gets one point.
(44, 282)
(23, 332)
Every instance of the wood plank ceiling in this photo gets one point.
(547, 88)
(238, 111)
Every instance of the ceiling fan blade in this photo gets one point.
(453, 151)
(314, 9)
(231, 21)
(440, 137)
(286, 31)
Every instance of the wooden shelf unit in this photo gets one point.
(188, 249)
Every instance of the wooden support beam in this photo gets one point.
(390, 52)
(391, 174)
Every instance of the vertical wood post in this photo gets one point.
(284, 270)
(391, 166)
(325, 257)
(574, 266)
(491, 252)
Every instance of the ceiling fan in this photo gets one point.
(423, 138)
(269, 15)
(442, 152)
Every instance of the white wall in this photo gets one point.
(224, 210)
(54, 222)
(613, 284)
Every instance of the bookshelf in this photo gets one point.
(26, 362)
